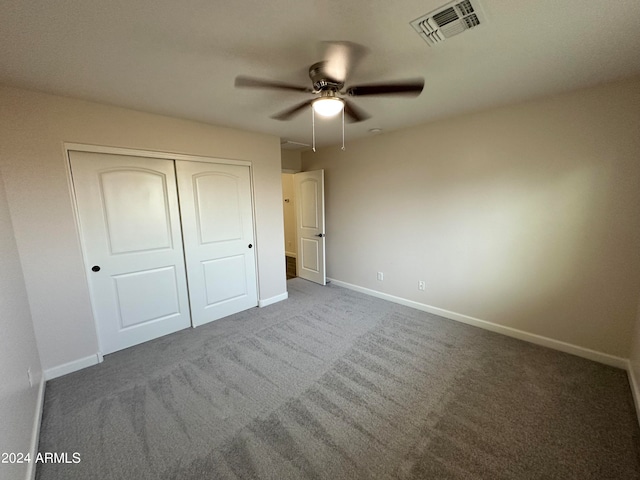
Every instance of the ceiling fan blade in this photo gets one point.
(410, 88)
(353, 113)
(341, 58)
(251, 82)
(290, 112)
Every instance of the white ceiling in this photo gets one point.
(180, 58)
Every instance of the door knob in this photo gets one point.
(95, 268)
(250, 246)
(320, 235)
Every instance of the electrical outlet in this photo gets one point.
(380, 276)
(30, 377)
(421, 285)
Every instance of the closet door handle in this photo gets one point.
(250, 246)
(95, 268)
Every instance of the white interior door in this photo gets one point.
(217, 222)
(130, 223)
(309, 188)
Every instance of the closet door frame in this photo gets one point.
(68, 147)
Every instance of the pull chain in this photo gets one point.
(313, 123)
(343, 129)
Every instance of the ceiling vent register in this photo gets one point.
(448, 20)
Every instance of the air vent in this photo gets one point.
(448, 20)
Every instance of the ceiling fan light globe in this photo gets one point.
(328, 107)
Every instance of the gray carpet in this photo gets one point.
(333, 384)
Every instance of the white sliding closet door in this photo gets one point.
(132, 243)
(217, 223)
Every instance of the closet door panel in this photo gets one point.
(217, 222)
(132, 244)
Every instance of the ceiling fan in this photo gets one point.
(328, 78)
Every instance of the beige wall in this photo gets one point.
(527, 216)
(290, 242)
(18, 352)
(33, 129)
(291, 160)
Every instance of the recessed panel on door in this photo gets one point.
(136, 211)
(310, 255)
(217, 220)
(308, 191)
(218, 204)
(225, 279)
(132, 244)
(147, 296)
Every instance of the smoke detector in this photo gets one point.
(449, 20)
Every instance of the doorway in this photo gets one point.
(303, 200)
(290, 226)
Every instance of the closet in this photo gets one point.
(167, 244)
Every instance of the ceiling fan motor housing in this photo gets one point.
(321, 81)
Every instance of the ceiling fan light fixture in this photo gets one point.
(328, 106)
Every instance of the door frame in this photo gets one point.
(81, 147)
(290, 171)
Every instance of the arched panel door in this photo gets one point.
(309, 187)
(217, 221)
(132, 244)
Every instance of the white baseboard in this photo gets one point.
(594, 355)
(634, 388)
(35, 430)
(272, 300)
(73, 366)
